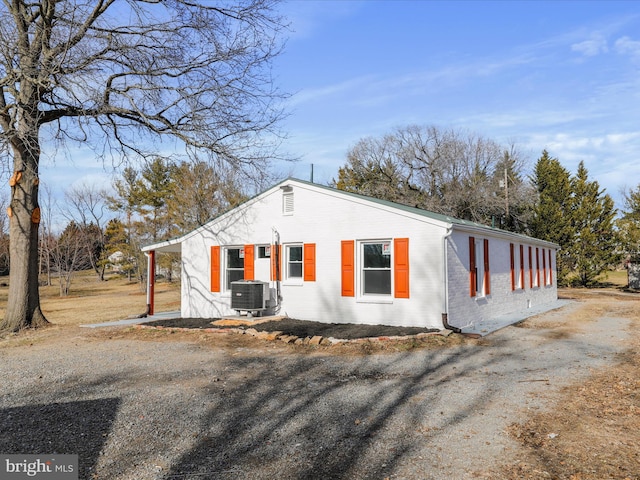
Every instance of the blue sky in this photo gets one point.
(561, 76)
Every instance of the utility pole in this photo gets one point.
(506, 192)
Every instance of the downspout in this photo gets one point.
(275, 253)
(445, 276)
(151, 280)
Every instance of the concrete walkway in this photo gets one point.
(135, 321)
(489, 326)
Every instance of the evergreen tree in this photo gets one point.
(118, 243)
(629, 225)
(128, 201)
(594, 245)
(154, 190)
(199, 193)
(551, 220)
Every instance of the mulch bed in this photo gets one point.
(301, 328)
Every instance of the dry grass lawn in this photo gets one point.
(93, 301)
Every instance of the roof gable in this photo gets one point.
(445, 221)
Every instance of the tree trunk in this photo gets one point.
(23, 307)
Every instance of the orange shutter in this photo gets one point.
(522, 266)
(544, 267)
(348, 268)
(513, 263)
(550, 270)
(487, 271)
(537, 267)
(309, 262)
(472, 266)
(401, 267)
(249, 262)
(215, 268)
(276, 272)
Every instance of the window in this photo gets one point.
(530, 268)
(522, 266)
(376, 268)
(517, 267)
(234, 266)
(370, 272)
(479, 267)
(293, 261)
(516, 252)
(479, 274)
(264, 251)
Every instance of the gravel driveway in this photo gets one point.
(156, 409)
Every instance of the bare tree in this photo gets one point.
(446, 171)
(69, 254)
(86, 206)
(46, 232)
(128, 78)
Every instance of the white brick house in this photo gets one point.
(332, 256)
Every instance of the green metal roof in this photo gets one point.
(424, 213)
(447, 219)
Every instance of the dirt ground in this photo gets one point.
(595, 426)
(593, 432)
(590, 430)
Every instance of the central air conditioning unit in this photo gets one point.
(249, 295)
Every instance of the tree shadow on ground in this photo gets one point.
(355, 420)
(78, 428)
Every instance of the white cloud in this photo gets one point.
(627, 46)
(590, 48)
(320, 93)
(307, 18)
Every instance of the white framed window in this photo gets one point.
(480, 277)
(293, 261)
(264, 251)
(234, 265)
(375, 268)
(479, 267)
(517, 267)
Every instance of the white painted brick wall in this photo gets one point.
(465, 310)
(325, 218)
